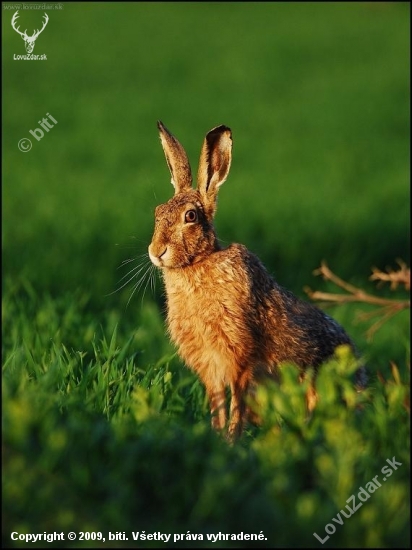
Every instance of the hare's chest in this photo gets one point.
(197, 317)
(205, 325)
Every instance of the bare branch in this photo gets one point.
(328, 275)
(400, 277)
(388, 307)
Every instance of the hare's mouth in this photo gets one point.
(160, 259)
(156, 260)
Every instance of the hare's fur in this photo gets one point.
(231, 322)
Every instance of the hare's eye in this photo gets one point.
(191, 216)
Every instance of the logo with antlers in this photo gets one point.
(29, 41)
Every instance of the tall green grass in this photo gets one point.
(97, 439)
(104, 429)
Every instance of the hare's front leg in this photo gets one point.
(238, 409)
(217, 404)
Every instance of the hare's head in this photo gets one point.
(184, 232)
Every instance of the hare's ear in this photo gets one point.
(214, 164)
(176, 159)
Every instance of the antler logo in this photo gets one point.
(29, 41)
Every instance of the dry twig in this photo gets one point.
(400, 277)
(387, 307)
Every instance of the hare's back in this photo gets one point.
(285, 327)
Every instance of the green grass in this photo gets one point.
(99, 439)
(104, 429)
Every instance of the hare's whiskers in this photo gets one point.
(138, 269)
(124, 262)
(134, 273)
(144, 279)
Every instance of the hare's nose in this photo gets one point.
(156, 257)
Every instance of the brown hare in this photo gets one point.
(232, 323)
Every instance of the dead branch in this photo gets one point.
(387, 307)
(400, 277)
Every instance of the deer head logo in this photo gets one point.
(29, 41)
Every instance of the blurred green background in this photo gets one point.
(317, 96)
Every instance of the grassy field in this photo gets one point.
(104, 429)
